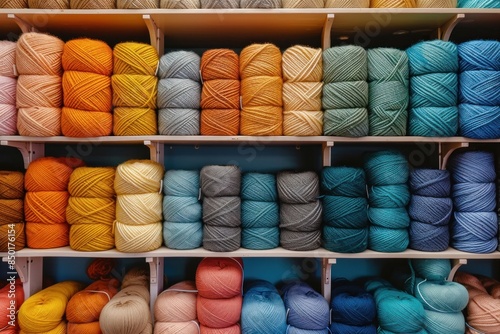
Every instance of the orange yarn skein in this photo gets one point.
(84, 328)
(43, 236)
(11, 185)
(220, 122)
(50, 174)
(46, 207)
(87, 91)
(260, 60)
(219, 64)
(262, 91)
(262, 121)
(221, 94)
(11, 211)
(87, 55)
(81, 123)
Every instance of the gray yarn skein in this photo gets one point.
(180, 65)
(219, 181)
(300, 241)
(220, 4)
(178, 93)
(178, 122)
(180, 4)
(301, 217)
(260, 3)
(296, 188)
(221, 238)
(222, 211)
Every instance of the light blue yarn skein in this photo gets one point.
(432, 57)
(345, 240)
(474, 197)
(181, 209)
(431, 210)
(479, 122)
(259, 187)
(388, 240)
(444, 323)
(472, 166)
(260, 237)
(433, 121)
(295, 330)
(259, 214)
(434, 90)
(429, 238)
(386, 167)
(345, 212)
(479, 55)
(307, 309)
(183, 236)
(475, 232)
(389, 217)
(441, 296)
(430, 182)
(181, 183)
(263, 310)
(432, 269)
(343, 181)
(389, 196)
(479, 87)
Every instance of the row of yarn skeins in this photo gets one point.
(231, 4)
(81, 88)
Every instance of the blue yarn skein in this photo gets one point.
(339, 328)
(260, 237)
(295, 330)
(353, 305)
(263, 310)
(183, 236)
(389, 196)
(181, 209)
(433, 121)
(389, 218)
(429, 238)
(478, 4)
(431, 210)
(430, 182)
(388, 240)
(259, 187)
(480, 226)
(432, 57)
(345, 212)
(434, 90)
(345, 240)
(343, 181)
(444, 323)
(480, 87)
(307, 309)
(431, 269)
(479, 122)
(472, 166)
(386, 167)
(474, 197)
(181, 183)
(441, 296)
(479, 55)
(259, 214)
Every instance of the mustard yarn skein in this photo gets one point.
(92, 182)
(262, 91)
(260, 60)
(135, 58)
(88, 210)
(130, 121)
(91, 237)
(134, 90)
(138, 177)
(393, 4)
(11, 184)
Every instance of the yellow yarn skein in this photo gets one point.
(135, 58)
(138, 238)
(92, 182)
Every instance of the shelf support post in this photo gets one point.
(457, 263)
(327, 153)
(326, 38)
(156, 270)
(445, 151)
(29, 151)
(30, 271)
(444, 32)
(156, 151)
(25, 26)
(326, 278)
(155, 35)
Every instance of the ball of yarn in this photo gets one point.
(58, 4)
(482, 312)
(345, 212)
(100, 268)
(260, 60)
(8, 93)
(219, 313)
(8, 55)
(190, 327)
(219, 181)
(339, 328)
(474, 226)
(137, 275)
(125, 315)
(389, 240)
(43, 236)
(220, 122)
(220, 94)
(181, 183)
(398, 311)
(182, 235)
(429, 238)
(258, 214)
(87, 55)
(474, 197)
(11, 184)
(479, 122)
(135, 4)
(87, 91)
(39, 121)
(387, 64)
(388, 102)
(302, 4)
(432, 269)
(180, 64)
(222, 211)
(439, 322)
(479, 55)
(345, 240)
(393, 4)
(39, 54)
(433, 90)
(298, 187)
(430, 57)
(86, 210)
(221, 238)
(306, 308)
(345, 95)
(178, 93)
(263, 310)
(219, 64)
(49, 174)
(300, 241)
(259, 187)
(181, 209)
(353, 305)
(138, 238)
(433, 121)
(136, 290)
(352, 122)
(262, 121)
(139, 209)
(347, 3)
(178, 122)
(479, 87)
(431, 210)
(92, 182)
(302, 96)
(430, 182)
(219, 278)
(180, 4)
(14, 4)
(8, 113)
(472, 166)
(442, 296)
(12, 211)
(135, 58)
(39, 91)
(345, 63)
(477, 4)
(220, 3)
(386, 167)
(302, 64)
(436, 3)
(91, 237)
(261, 91)
(134, 121)
(260, 238)
(82, 123)
(304, 217)
(19, 234)
(260, 3)
(343, 181)
(302, 123)
(134, 90)
(138, 177)
(389, 217)
(177, 303)
(92, 4)
(389, 196)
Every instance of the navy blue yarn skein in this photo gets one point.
(479, 55)
(431, 210)
(389, 196)
(259, 187)
(345, 240)
(386, 167)
(353, 305)
(343, 181)
(472, 166)
(307, 309)
(429, 238)
(389, 217)
(474, 197)
(430, 182)
(345, 212)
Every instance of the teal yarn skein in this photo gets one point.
(389, 196)
(181, 209)
(432, 57)
(345, 212)
(260, 238)
(343, 181)
(444, 323)
(431, 269)
(183, 236)
(257, 214)
(259, 187)
(386, 167)
(441, 296)
(434, 121)
(181, 183)
(351, 122)
(388, 240)
(345, 240)
(434, 90)
(478, 4)
(389, 217)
